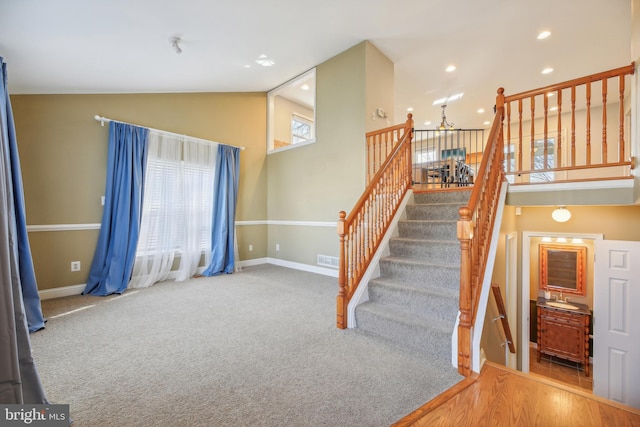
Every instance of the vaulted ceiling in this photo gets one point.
(123, 46)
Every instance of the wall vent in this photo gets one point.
(328, 261)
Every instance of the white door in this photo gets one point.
(616, 329)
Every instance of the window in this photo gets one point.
(177, 209)
(301, 129)
(510, 162)
(291, 113)
(541, 162)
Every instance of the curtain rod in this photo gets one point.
(105, 119)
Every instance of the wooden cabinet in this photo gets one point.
(564, 333)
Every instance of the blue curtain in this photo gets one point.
(19, 302)
(116, 249)
(224, 211)
(27, 273)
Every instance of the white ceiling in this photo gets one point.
(122, 46)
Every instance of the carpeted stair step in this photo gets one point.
(427, 303)
(432, 337)
(461, 197)
(420, 274)
(428, 229)
(433, 211)
(436, 251)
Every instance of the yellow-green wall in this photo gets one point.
(310, 185)
(63, 153)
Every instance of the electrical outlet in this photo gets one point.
(277, 247)
(250, 248)
(75, 265)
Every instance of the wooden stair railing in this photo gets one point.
(548, 141)
(502, 315)
(380, 143)
(474, 232)
(362, 231)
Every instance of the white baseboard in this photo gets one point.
(304, 267)
(66, 291)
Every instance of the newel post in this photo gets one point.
(464, 327)
(341, 299)
(409, 129)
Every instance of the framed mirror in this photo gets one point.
(562, 268)
(291, 113)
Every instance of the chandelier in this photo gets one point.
(444, 124)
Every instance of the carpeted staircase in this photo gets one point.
(415, 302)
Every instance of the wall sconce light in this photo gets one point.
(561, 214)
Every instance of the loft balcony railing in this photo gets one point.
(578, 130)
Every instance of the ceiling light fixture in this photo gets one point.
(264, 61)
(543, 35)
(561, 214)
(175, 43)
(444, 124)
(450, 68)
(305, 87)
(547, 70)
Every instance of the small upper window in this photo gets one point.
(291, 113)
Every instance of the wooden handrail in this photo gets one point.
(363, 229)
(474, 232)
(502, 312)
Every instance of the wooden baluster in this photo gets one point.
(520, 134)
(508, 168)
(588, 153)
(558, 153)
(621, 106)
(533, 133)
(341, 299)
(573, 125)
(545, 146)
(464, 326)
(604, 121)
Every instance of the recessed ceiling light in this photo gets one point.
(547, 70)
(480, 110)
(427, 123)
(409, 108)
(450, 68)
(304, 87)
(550, 94)
(247, 66)
(487, 122)
(543, 35)
(553, 109)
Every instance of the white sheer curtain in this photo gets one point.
(177, 209)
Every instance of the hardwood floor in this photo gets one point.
(504, 397)
(564, 371)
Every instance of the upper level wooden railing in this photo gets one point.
(502, 315)
(474, 232)
(362, 231)
(380, 143)
(547, 141)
